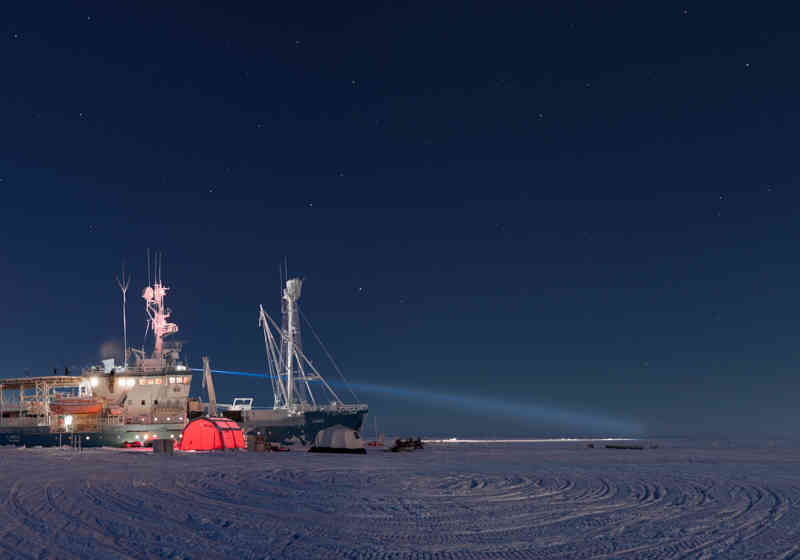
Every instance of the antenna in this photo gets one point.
(157, 313)
(123, 284)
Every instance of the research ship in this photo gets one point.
(304, 403)
(130, 404)
(147, 397)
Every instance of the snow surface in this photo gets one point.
(502, 500)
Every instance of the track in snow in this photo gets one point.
(466, 501)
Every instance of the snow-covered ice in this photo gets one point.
(515, 500)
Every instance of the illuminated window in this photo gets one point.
(172, 379)
(159, 381)
(187, 379)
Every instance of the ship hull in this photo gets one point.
(109, 436)
(282, 427)
(33, 436)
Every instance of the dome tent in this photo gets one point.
(208, 434)
(338, 439)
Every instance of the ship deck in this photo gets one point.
(12, 383)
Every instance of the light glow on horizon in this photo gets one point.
(533, 412)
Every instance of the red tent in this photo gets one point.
(207, 434)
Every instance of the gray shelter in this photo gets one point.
(338, 439)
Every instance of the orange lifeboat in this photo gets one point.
(76, 405)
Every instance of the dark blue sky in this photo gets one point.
(580, 219)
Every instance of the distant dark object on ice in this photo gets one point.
(409, 444)
(338, 439)
(259, 444)
(612, 446)
(166, 446)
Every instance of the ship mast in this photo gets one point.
(290, 296)
(157, 313)
(123, 285)
(288, 367)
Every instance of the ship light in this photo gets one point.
(93, 381)
(87, 437)
(172, 436)
(145, 436)
(155, 436)
(155, 418)
(180, 368)
(137, 437)
(168, 418)
(68, 420)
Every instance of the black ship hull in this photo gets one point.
(280, 427)
(42, 436)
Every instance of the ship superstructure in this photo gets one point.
(108, 404)
(303, 401)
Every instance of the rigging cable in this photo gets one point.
(336, 367)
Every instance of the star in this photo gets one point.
(353, 82)
(747, 65)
